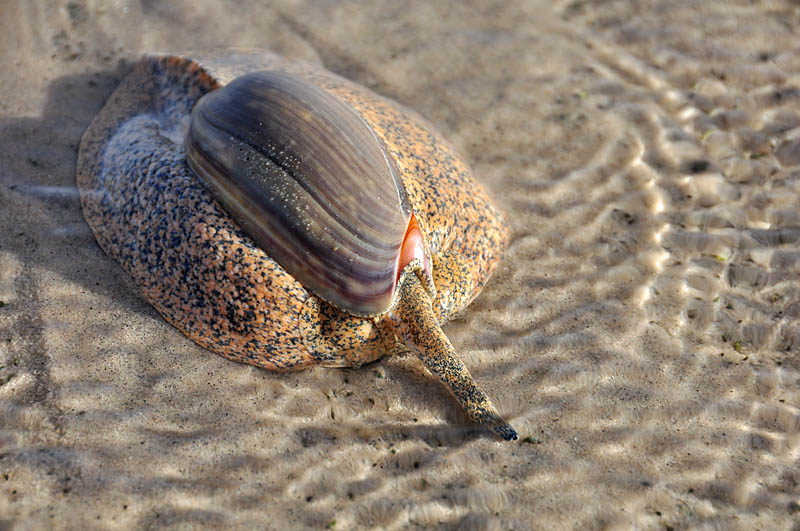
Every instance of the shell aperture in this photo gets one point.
(308, 181)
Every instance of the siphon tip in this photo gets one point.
(506, 432)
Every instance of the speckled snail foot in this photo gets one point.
(282, 216)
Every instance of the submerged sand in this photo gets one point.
(642, 333)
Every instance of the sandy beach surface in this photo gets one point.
(642, 333)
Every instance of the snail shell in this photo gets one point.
(306, 178)
(328, 225)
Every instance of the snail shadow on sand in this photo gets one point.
(43, 220)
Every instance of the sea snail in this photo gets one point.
(282, 216)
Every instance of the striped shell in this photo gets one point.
(306, 178)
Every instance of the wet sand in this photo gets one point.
(642, 333)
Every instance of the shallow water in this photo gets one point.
(641, 335)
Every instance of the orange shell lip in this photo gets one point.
(413, 248)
